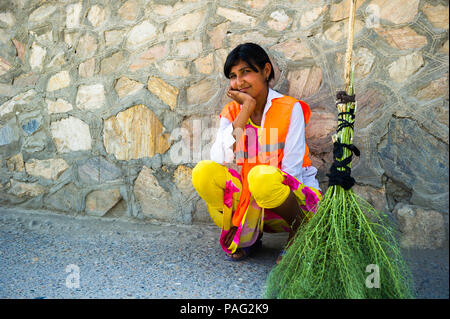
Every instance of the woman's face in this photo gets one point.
(246, 80)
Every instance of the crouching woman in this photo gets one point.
(264, 132)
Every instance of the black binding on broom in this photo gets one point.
(342, 177)
(343, 97)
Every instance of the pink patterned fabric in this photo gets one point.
(251, 140)
(235, 174)
(311, 199)
(230, 188)
(292, 182)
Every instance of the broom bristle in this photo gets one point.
(347, 250)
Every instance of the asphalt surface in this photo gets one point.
(48, 255)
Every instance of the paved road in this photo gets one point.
(41, 255)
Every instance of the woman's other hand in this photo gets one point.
(229, 237)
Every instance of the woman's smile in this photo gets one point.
(246, 80)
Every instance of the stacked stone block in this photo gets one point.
(98, 99)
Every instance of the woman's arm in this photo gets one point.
(223, 147)
(221, 150)
(294, 147)
(248, 105)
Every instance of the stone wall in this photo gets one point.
(106, 106)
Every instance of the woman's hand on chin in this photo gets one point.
(241, 97)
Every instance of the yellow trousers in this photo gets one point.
(269, 187)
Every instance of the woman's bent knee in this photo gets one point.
(209, 179)
(261, 175)
(266, 185)
(203, 181)
(204, 172)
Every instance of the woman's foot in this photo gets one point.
(242, 253)
(280, 256)
(238, 255)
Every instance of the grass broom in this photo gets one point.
(347, 249)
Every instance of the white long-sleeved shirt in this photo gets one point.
(294, 146)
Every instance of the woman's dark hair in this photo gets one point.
(250, 53)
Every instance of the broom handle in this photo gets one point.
(348, 55)
(346, 135)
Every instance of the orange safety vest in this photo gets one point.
(271, 139)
